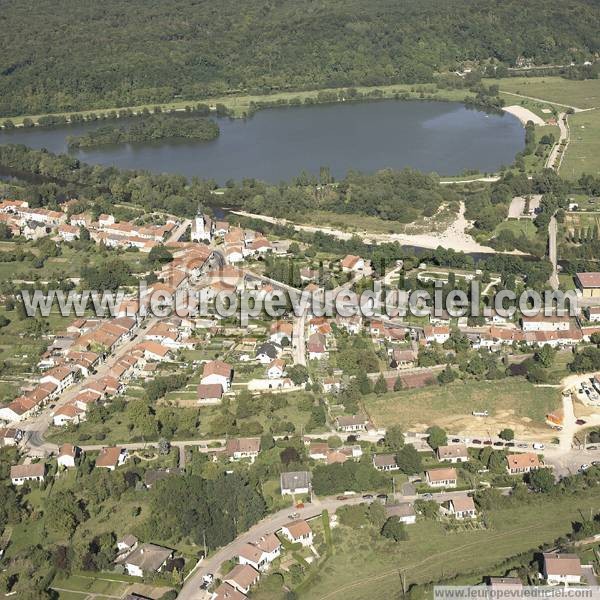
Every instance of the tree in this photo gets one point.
(394, 438)
(163, 446)
(436, 437)
(398, 385)
(446, 376)
(507, 434)
(289, 455)
(380, 386)
(394, 529)
(267, 442)
(408, 460)
(334, 441)
(298, 374)
(545, 356)
(376, 515)
(160, 255)
(541, 480)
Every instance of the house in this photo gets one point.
(146, 559)
(403, 359)
(561, 568)
(298, 532)
(295, 482)
(238, 448)
(267, 353)
(522, 463)
(405, 513)
(19, 409)
(226, 592)
(276, 370)
(10, 436)
(351, 423)
(234, 255)
(217, 371)
(209, 393)
(541, 322)
(453, 454)
(127, 543)
(438, 334)
(332, 385)
(444, 477)
(462, 507)
(21, 474)
(385, 462)
(62, 377)
(505, 583)
(593, 313)
(588, 284)
(67, 454)
(318, 450)
(316, 346)
(242, 578)
(352, 264)
(281, 330)
(69, 413)
(111, 458)
(258, 557)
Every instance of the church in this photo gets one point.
(202, 227)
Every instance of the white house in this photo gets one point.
(261, 554)
(561, 568)
(445, 477)
(295, 482)
(453, 454)
(21, 474)
(298, 532)
(217, 371)
(147, 559)
(276, 369)
(540, 322)
(462, 507)
(67, 454)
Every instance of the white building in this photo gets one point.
(298, 532)
(561, 568)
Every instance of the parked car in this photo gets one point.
(538, 446)
(584, 467)
(367, 496)
(498, 443)
(476, 441)
(427, 496)
(580, 422)
(487, 442)
(522, 445)
(342, 498)
(456, 440)
(510, 445)
(293, 515)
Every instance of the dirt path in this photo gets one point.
(575, 108)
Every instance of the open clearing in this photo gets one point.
(431, 552)
(581, 94)
(514, 403)
(583, 152)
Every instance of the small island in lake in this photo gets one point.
(149, 128)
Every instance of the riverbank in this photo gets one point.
(243, 105)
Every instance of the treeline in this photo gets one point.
(155, 127)
(128, 54)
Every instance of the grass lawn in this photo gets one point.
(519, 227)
(581, 94)
(432, 552)
(583, 151)
(510, 402)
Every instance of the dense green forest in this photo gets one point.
(62, 55)
(155, 127)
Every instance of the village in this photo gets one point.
(206, 364)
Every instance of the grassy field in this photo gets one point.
(583, 152)
(518, 227)
(432, 552)
(512, 402)
(580, 94)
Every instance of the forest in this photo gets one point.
(146, 129)
(60, 55)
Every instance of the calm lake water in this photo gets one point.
(278, 143)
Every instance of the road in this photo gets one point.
(555, 154)
(552, 252)
(179, 231)
(271, 524)
(36, 427)
(575, 108)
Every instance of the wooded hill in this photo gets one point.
(62, 55)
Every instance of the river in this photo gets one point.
(278, 143)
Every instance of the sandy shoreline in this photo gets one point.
(524, 114)
(454, 237)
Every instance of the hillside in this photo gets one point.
(61, 55)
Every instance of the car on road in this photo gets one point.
(295, 515)
(510, 445)
(427, 496)
(522, 445)
(342, 498)
(580, 422)
(498, 443)
(477, 442)
(592, 448)
(538, 446)
(382, 497)
(456, 440)
(367, 496)
(595, 463)
(487, 442)
(584, 467)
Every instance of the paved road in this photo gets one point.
(36, 427)
(179, 231)
(552, 252)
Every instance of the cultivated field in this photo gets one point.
(583, 152)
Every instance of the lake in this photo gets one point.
(278, 143)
